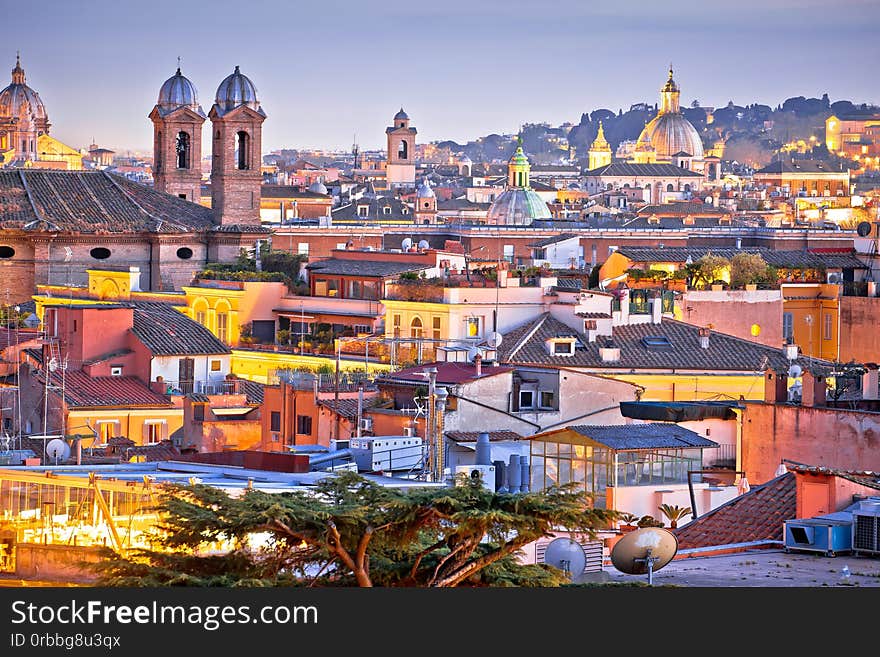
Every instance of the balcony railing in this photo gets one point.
(855, 288)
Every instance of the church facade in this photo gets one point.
(56, 225)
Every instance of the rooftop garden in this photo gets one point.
(277, 266)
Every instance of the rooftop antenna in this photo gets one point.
(644, 551)
(178, 63)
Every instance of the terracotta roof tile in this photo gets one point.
(471, 436)
(167, 331)
(80, 389)
(754, 516)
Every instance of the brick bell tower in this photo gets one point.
(400, 169)
(236, 136)
(177, 139)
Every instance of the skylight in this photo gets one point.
(657, 342)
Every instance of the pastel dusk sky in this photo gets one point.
(327, 71)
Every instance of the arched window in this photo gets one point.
(402, 149)
(242, 146)
(182, 145)
(415, 328)
(670, 187)
(157, 165)
(687, 188)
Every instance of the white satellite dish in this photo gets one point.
(495, 339)
(567, 555)
(406, 244)
(795, 371)
(58, 450)
(68, 254)
(423, 244)
(472, 353)
(53, 364)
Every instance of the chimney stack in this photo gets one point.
(478, 365)
(704, 337)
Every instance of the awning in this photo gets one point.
(679, 411)
(234, 411)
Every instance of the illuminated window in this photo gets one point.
(473, 327)
(415, 327)
(215, 365)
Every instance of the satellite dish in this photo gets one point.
(53, 364)
(863, 229)
(472, 353)
(644, 551)
(795, 371)
(57, 450)
(495, 339)
(68, 254)
(406, 244)
(423, 244)
(567, 555)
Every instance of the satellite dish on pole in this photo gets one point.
(494, 339)
(567, 555)
(58, 450)
(863, 229)
(406, 245)
(473, 352)
(795, 371)
(424, 244)
(645, 550)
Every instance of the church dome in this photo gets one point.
(20, 101)
(671, 134)
(318, 187)
(401, 116)
(236, 90)
(518, 207)
(178, 91)
(424, 190)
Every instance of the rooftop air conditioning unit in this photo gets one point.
(484, 472)
(835, 277)
(366, 424)
(866, 527)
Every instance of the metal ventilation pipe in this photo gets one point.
(514, 474)
(500, 476)
(525, 475)
(484, 449)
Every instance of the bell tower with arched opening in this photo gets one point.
(177, 139)
(400, 170)
(236, 136)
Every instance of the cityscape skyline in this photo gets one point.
(460, 71)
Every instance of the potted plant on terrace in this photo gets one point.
(628, 522)
(673, 513)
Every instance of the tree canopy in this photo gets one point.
(351, 531)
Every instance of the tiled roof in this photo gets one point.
(126, 449)
(677, 223)
(93, 202)
(526, 345)
(253, 390)
(347, 408)
(471, 436)
(289, 191)
(868, 478)
(653, 435)
(757, 515)
(569, 284)
(680, 209)
(547, 241)
(241, 228)
(793, 259)
(80, 389)
(397, 209)
(9, 338)
(167, 331)
(630, 169)
(447, 373)
(365, 268)
(799, 166)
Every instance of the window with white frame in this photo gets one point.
(303, 248)
(473, 327)
(116, 370)
(107, 429)
(154, 430)
(526, 399)
(508, 253)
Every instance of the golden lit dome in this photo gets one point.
(669, 132)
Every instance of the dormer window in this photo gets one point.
(363, 210)
(386, 210)
(562, 346)
(116, 370)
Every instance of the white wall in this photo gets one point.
(168, 367)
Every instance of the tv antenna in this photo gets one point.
(645, 550)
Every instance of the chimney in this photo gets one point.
(791, 351)
(478, 365)
(871, 382)
(775, 387)
(814, 389)
(609, 353)
(704, 337)
(134, 279)
(590, 329)
(484, 449)
(656, 310)
(158, 386)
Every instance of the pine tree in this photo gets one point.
(350, 531)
